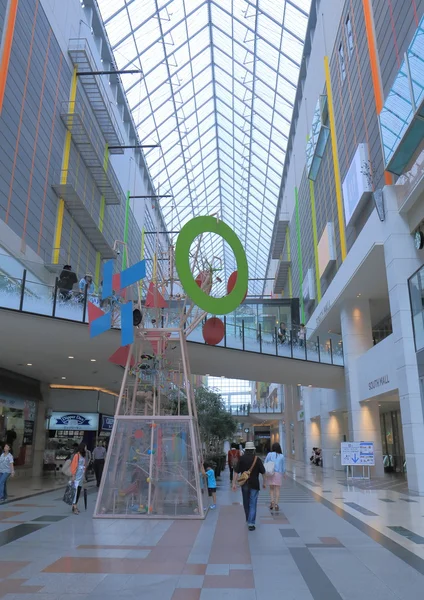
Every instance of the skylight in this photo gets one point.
(217, 90)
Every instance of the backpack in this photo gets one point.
(234, 458)
(66, 469)
(244, 477)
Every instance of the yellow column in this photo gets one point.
(336, 166)
(64, 173)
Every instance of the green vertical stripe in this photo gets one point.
(127, 216)
(315, 235)
(299, 257)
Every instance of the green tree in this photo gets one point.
(215, 423)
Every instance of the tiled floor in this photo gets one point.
(318, 547)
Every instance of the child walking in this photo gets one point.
(210, 474)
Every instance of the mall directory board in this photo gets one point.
(359, 454)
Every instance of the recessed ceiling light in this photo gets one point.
(63, 377)
(93, 360)
(29, 364)
(70, 357)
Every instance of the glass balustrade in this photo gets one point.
(21, 289)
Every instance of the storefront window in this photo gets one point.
(17, 424)
(416, 294)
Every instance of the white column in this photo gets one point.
(402, 260)
(281, 435)
(311, 407)
(331, 425)
(364, 421)
(39, 436)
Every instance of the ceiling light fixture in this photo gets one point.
(63, 377)
(57, 386)
(29, 364)
(93, 360)
(70, 357)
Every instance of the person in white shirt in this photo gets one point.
(7, 469)
(99, 455)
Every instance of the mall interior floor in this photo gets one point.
(329, 541)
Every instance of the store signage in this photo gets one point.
(357, 185)
(326, 250)
(107, 423)
(359, 454)
(75, 421)
(324, 311)
(377, 370)
(372, 385)
(28, 432)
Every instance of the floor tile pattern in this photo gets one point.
(363, 544)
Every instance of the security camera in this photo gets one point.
(118, 252)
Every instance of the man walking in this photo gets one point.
(99, 455)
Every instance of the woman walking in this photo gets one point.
(7, 469)
(276, 463)
(78, 467)
(252, 465)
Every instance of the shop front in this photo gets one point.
(76, 415)
(18, 409)
(65, 431)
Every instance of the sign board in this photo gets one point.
(359, 454)
(377, 370)
(107, 423)
(74, 421)
(357, 183)
(327, 254)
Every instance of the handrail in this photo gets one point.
(23, 294)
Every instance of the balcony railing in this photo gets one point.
(26, 293)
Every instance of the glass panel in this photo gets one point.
(151, 470)
(198, 60)
(416, 294)
(10, 291)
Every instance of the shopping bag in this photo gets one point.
(69, 495)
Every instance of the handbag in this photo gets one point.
(69, 495)
(244, 477)
(66, 469)
(270, 468)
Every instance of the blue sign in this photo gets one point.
(74, 421)
(107, 423)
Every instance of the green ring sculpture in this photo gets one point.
(215, 306)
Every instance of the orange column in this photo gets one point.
(6, 45)
(375, 67)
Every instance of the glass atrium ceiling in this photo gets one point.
(217, 89)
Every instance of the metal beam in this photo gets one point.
(86, 73)
(136, 146)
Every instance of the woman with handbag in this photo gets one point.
(78, 467)
(275, 468)
(249, 468)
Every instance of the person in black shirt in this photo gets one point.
(66, 282)
(250, 490)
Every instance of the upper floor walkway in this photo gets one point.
(33, 313)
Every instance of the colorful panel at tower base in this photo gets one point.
(151, 469)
